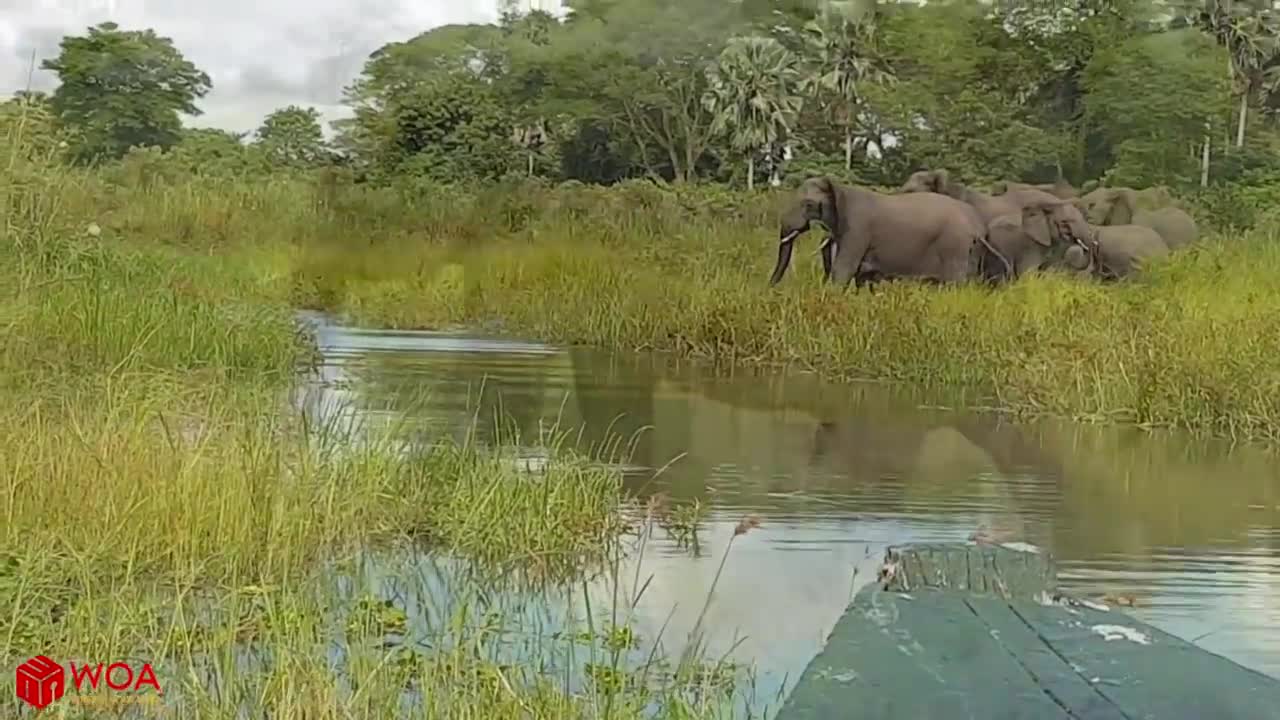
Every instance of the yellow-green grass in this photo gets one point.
(161, 501)
(144, 518)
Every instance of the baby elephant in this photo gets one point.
(1121, 251)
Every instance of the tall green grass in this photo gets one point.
(162, 500)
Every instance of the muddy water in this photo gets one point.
(1189, 528)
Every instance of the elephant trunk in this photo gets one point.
(785, 246)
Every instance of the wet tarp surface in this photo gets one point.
(952, 654)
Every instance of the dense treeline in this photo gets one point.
(1122, 92)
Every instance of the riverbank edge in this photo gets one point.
(457, 311)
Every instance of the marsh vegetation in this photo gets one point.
(163, 497)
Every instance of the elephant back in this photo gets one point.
(1174, 225)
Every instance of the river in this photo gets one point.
(1188, 527)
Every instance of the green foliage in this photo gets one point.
(843, 55)
(753, 92)
(123, 88)
(208, 151)
(291, 137)
(449, 129)
(947, 108)
(686, 90)
(1159, 118)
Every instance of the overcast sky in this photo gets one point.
(260, 54)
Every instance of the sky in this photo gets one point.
(260, 54)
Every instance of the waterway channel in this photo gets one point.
(1189, 528)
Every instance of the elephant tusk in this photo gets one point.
(827, 241)
(789, 237)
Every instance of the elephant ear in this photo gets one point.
(1122, 206)
(939, 181)
(838, 199)
(1035, 223)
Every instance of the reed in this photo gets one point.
(165, 500)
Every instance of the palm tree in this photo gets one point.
(845, 57)
(1248, 31)
(753, 94)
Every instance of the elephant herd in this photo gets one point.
(937, 229)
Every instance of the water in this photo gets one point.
(1186, 526)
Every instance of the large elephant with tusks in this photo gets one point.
(873, 235)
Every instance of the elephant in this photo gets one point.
(1060, 189)
(989, 207)
(1038, 236)
(1122, 206)
(1119, 251)
(930, 237)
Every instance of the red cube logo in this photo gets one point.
(41, 681)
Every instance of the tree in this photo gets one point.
(291, 137)
(524, 79)
(844, 55)
(754, 97)
(1156, 119)
(210, 151)
(121, 88)
(653, 57)
(449, 129)
(1245, 28)
(947, 108)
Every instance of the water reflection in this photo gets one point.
(838, 471)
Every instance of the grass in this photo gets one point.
(1185, 345)
(162, 501)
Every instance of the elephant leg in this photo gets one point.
(1030, 261)
(869, 278)
(956, 265)
(853, 250)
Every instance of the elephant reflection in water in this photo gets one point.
(923, 448)
(890, 464)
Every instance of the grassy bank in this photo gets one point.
(1187, 345)
(163, 502)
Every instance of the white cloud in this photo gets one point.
(260, 54)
